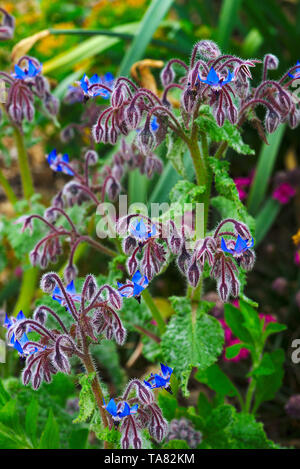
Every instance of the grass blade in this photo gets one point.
(227, 21)
(147, 28)
(266, 218)
(266, 162)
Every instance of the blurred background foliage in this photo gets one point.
(77, 43)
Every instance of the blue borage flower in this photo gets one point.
(154, 124)
(140, 231)
(30, 72)
(161, 380)
(55, 161)
(134, 287)
(71, 291)
(297, 71)
(213, 79)
(240, 247)
(18, 344)
(117, 415)
(85, 83)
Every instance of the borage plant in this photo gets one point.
(216, 99)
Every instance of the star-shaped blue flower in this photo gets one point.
(85, 83)
(161, 380)
(297, 71)
(134, 287)
(71, 291)
(140, 231)
(30, 72)
(213, 79)
(18, 344)
(241, 246)
(111, 408)
(154, 124)
(55, 161)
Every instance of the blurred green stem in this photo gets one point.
(154, 311)
(27, 290)
(7, 189)
(26, 178)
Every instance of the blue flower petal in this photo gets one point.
(240, 245)
(224, 247)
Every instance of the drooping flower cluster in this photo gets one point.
(144, 238)
(148, 245)
(134, 413)
(183, 429)
(224, 82)
(24, 85)
(94, 313)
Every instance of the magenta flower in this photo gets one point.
(297, 258)
(284, 193)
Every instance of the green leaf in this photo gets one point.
(50, 435)
(9, 439)
(204, 406)
(265, 165)
(273, 328)
(268, 385)
(176, 444)
(31, 420)
(232, 351)
(168, 405)
(235, 321)
(265, 219)
(251, 321)
(78, 438)
(227, 133)
(216, 379)
(219, 419)
(265, 368)
(86, 398)
(175, 153)
(192, 339)
(246, 433)
(227, 21)
(86, 49)
(4, 396)
(146, 29)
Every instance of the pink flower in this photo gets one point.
(284, 193)
(297, 258)
(243, 182)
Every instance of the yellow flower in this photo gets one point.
(296, 238)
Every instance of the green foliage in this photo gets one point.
(50, 435)
(107, 354)
(176, 148)
(268, 374)
(87, 402)
(216, 379)
(176, 444)
(227, 133)
(192, 339)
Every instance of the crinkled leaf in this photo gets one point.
(227, 133)
(192, 339)
(86, 398)
(176, 149)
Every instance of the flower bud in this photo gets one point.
(34, 258)
(193, 274)
(48, 282)
(208, 49)
(40, 315)
(129, 243)
(167, 75)
(70, 273)
(91, 156)
(133, 116)
(272, 121)
(271, 61)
